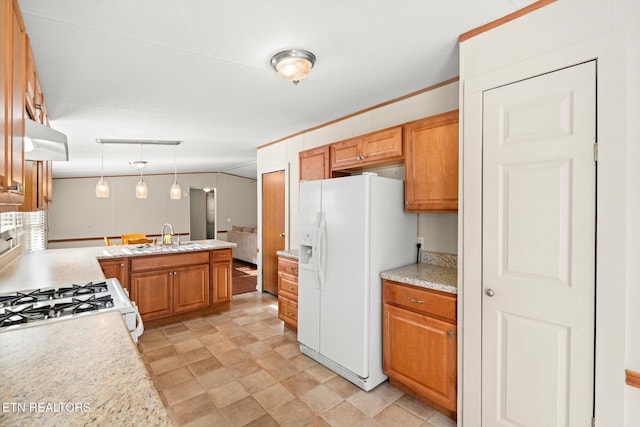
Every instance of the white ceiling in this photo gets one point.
(198, 71)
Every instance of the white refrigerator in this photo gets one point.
(351, 229)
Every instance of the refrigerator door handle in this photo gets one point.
(322, 249)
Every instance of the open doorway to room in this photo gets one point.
(202, 213)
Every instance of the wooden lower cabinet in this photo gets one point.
(191, 288)
(222, 290)
(288, 291)
(153, 293)
(172, 284)
(116, 268)
(420, 344)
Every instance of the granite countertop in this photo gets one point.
(60, 267)
(289, 253)
(80, 371)
(429, 276)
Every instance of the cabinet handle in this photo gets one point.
(291, 288)
(291, 314)
(121, 265)
(451, 333)
(417, 301)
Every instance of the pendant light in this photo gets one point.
(141, 186)
(102, 187)
(175, 192)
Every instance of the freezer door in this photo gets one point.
(344, 303)
(308, 286)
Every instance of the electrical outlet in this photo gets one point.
(420, 240)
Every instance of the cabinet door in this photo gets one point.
(345, 154)
(221, 282)
(314, 164)
(153, 293)
(191, 288)
(431, 166)
(17, 107)
(420, 352)
(45, 184)
(5, 77)
(116, 268)
(382, 146)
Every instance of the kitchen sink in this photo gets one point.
(150, 249)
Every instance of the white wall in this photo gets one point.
(561, 34)
(77, 213)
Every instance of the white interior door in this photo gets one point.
(539, 200)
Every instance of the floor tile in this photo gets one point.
(242, 367)
(227, 394)
(273, 396)
(193, 409)
(243, 411)
(321, 398)
(395, 415)
(182, 391)
(172, 378)
(294, 413)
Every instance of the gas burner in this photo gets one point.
(24, 315)
(78, 305)
(26, 297)
(77, 290)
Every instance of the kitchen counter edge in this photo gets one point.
(444, 279)
(289, 253)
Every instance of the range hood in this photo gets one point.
(45, 143)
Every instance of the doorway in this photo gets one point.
(538, 250)
(202, 213)
(273, 227)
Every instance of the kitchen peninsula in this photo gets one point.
(85, 369)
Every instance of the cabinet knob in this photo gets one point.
(451, 333)
(121, 265)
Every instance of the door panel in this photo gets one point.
(344, 304)
(272, 228)
(539, 250)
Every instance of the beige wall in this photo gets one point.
(77, 213)
(439, 230)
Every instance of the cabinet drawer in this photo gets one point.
(420, 300)
(155, 262)
(221, 255)
(288, 311)
(288, 266)
(288, 285)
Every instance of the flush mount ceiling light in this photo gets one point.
(293, 64)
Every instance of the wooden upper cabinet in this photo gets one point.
(37, 186)
(379, 148)
(314, 164)
(431, 164)
(13, 82)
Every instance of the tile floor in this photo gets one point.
(243, 368)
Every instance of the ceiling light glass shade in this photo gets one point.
(141, 189)
(102, 188)
(175, 191)
(293, 64)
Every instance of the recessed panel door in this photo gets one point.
(273, 233)
(539, 199)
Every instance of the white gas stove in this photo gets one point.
(32, 307)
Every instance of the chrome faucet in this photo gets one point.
(167, 238)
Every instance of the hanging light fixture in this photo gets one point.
(102, 186)
(175, 192)
(293, 64)
(141, 186)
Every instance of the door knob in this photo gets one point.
(489, 292)
(281, 234)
